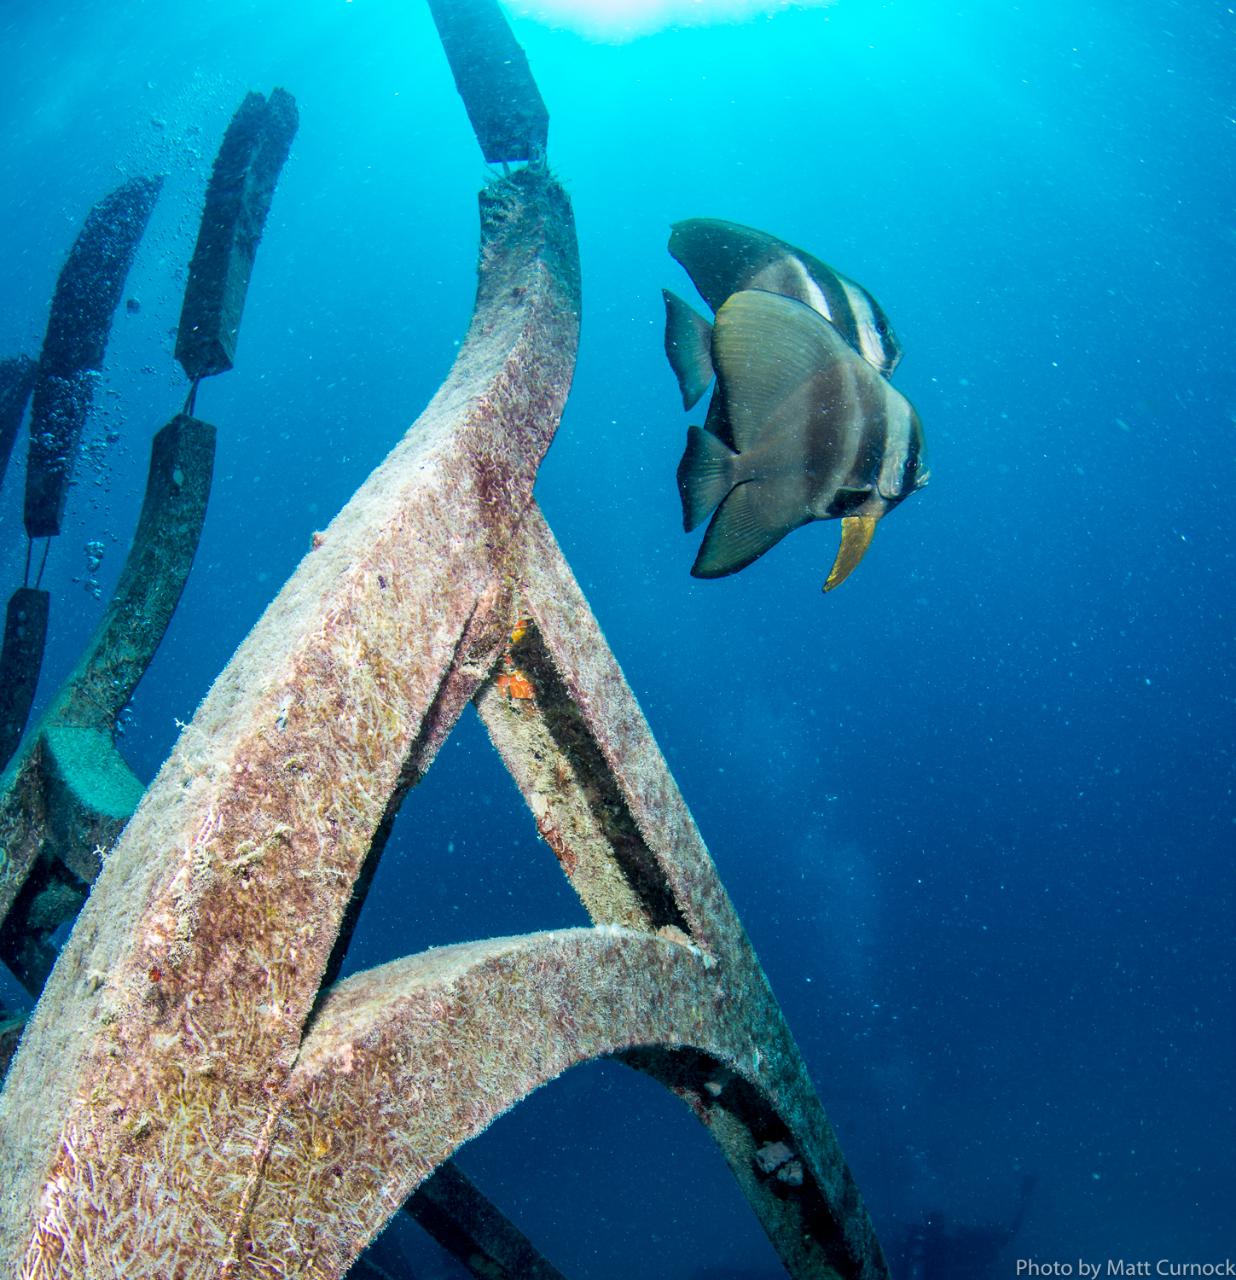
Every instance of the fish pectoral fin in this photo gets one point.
(746, 525)
(705, 475)
(847, 499)
(856, 535)
(688, 339)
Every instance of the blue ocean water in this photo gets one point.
(975, 807)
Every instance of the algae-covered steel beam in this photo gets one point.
(169, 527)
(212, 919)
(238, 198)
(50, 854)
(606, 804)
(186, 1101)
(492, 75)
(65, 797)
(25, 635)
(16, 383)
(85, 300)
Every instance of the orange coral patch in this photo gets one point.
(515, 685)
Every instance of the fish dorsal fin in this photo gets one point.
(768, 350)
(720, 257)
(856, 535)
(749, 522)
(724, 257)
(687, 339)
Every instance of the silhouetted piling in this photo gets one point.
(87, 293)
(16, 384)
(469, 1226)
(492, 75)
(25, 634)
(242, 185)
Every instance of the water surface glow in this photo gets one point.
(619, 20)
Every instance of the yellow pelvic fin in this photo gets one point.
(856, 534)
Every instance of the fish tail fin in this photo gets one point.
(688, 337)
(705, 475)
(856, 535)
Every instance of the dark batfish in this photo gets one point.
(723, 258)
(816, 432)
(687, 339)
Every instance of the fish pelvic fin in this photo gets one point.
(705, 475)
(688, 338)
(856, 535)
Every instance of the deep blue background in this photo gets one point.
(976, 807)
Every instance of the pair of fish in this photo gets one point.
(804, 424)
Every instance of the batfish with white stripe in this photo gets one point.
(723, 258)
(813, 433)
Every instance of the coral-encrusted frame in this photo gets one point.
(185, 1102)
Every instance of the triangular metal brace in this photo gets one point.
(184, 1103)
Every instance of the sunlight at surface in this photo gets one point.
(616, 20)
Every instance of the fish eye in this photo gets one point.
(882, 328)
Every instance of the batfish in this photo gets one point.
(813, 432)
(723, 258)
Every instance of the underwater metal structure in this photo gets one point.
(86, 297)
(242, 186)
(186, 1101)
(61, 385)
(67, 794)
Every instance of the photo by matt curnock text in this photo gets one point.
(1087, 1270)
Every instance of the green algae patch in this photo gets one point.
(86, 763)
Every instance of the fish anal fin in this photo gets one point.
(745, 526)
(705, 475)
(688, 337)
(856, 535)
